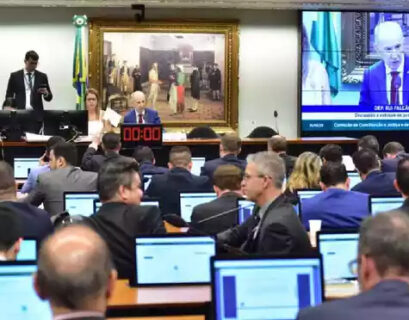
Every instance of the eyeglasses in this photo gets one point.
(248, 176)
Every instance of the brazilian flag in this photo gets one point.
(80, 69)
(324, 41)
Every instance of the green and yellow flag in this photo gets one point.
(80, 68)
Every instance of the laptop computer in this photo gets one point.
(174, 259)
(23, 166)
(245, 210)
(19, 298)
(378, 204)
(257, 287)
(304, 194)
(197, 164)
(338, 249)
(354, 178)
(189, 200)
(80, 203)
(28, 250)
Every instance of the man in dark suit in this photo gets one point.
(28, 87)
(140, 114)
(402, 183)
(229, 148)
(121, 217)
(336, 206)
(392, 152)
(11, 234)
(331, 153)
(111, 145)
(167, 187)
(75, 274)
(278, 144)
(146, 160)
(36, 222)
(387, 81)
(226, 179)
(274, 226)
(383, 269)
(64, 176)
(374, 181)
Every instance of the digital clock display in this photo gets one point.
(133, 135)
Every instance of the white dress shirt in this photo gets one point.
(28, 88)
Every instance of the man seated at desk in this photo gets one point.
(383, 268)
(140, 114)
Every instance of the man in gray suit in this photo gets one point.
(63, 177)
(383, 273)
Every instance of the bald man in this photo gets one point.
(75, 274)
(140, 114)
(387, 81)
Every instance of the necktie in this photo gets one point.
(395, 85)
(140, 118)
(30, 80)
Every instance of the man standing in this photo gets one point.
(383, 273)
(28, 86)
(274, 227)
(140, 114)
(387, 81)
(215, 78)
(154, 82)
(75, 274)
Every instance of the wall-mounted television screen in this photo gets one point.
(354, 72)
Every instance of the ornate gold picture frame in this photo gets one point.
(187, 70)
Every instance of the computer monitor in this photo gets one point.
(80, 203)
(28, 250)
(23, 166)
(97, 205)
(354, 178)
(265, 287)
(57, 122)
(245, 210)
(150, 202)
(147, 178)
(189, 200)
(197, 164)
(173, 259)
(304, 194)
(385, 203)
(17, 122)
(338, 249)
(19, 300)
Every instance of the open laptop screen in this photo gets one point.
(23, 166)
(19, 300)
(197, 164)
(265, 288)
(304, 194)
(80, 203)
(354, 178)
(382, 204)
(173, 259)
(338, 250)
(245, 210)
(189, 200)
(28, 250)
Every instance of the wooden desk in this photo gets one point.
(341, 291)
(158, 301)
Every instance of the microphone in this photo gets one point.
(276, 121)
(223, 213)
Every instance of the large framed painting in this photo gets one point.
(187, 70)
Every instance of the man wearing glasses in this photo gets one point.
(274, 226)
(383, 273)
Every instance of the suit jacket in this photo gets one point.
(378, 183)
(36, 222)
(147, 167)
(33, 177)
(91, 161)
(167, 188)
(279, 232)
(391, 165)
(336, 208)
(151, 116)
(405, 206)
(51, 186)
(289, 162)
(211, 165)
(119, 223)
(373, 88)
(226, 202)
(389, 300)
(16, 89)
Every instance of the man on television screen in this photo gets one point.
(139, 114)
(387, 82)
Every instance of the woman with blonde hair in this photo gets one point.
(306, 173)
(95, 114)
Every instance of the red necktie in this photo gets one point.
(395, 85)
(140, 118)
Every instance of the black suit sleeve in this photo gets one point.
(87, 161)
(50, 94)
(277, 239)
(10, 88)
(152, 221)
(236, 236)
